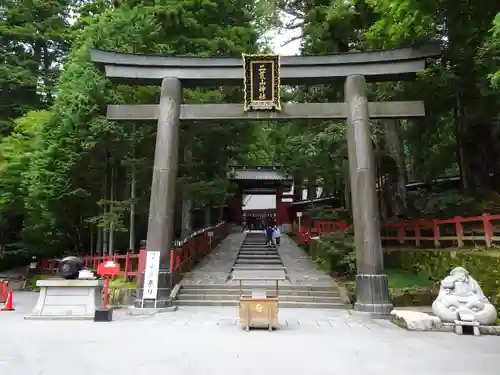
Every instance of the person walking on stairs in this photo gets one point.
(277, 235)
(269, 235)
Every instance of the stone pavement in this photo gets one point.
(207, 341)
(216, 267)
(299, 267)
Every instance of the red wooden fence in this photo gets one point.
(484, 229)
(183, 255)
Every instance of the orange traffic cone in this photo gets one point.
(9, 305)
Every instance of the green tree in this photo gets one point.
(33, 40)
(81, 172)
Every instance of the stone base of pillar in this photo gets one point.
(372, 294)
(163, 300)
(286, 228)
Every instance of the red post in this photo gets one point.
(108, 270)
(172, 260)
(488, 230)
(127, 265)
(106, 291)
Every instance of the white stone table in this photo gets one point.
(67, 299)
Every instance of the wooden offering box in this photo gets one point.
(260, 309)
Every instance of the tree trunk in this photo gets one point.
(91, 239)
(105, 236)
(98, 248)
(186, 219)
(131, 236)
(412, 176)
(347, 186)
(297, 189)
(396, 175)
(112, 186)
(187, 203)
(311, 188)
(207, 215)
(221, 211)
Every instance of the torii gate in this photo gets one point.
(263, 81)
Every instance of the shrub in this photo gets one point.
(335, 253)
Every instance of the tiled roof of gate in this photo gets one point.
(259, 175)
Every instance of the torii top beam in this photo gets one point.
(194, 71)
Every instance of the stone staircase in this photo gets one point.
(254, 256)
(290, 296)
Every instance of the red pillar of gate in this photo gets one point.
(281, 210)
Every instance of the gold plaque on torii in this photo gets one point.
(262, 82)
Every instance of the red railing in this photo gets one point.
(193, 248)
(185, 253)
(484, 229)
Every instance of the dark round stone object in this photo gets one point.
(69, 267)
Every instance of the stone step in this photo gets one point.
(257, 248)
(258, 261)
(262, 248)
(282, 287)
(266, 251)
(258, 267)
(283, 305)
(271, 288)
(284, 298)
(259, 256)
(263, 251)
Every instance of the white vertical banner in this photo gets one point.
(151, 274)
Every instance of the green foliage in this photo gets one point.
(33, 40)
(16, 153)
(493, 48)
(435, 265)
(58, 177)
(404, 279)
(61, 158)
(451, 203)
(313, 152)
(14, 259)
(335, 253)
(328, 213)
